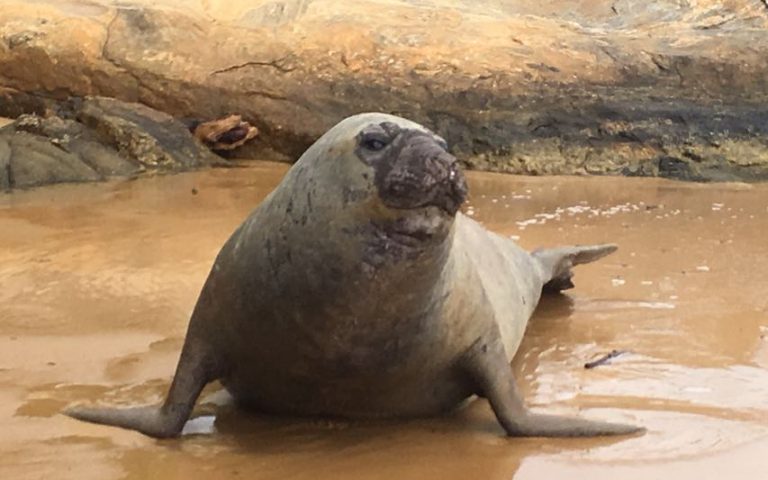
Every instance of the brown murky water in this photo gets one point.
(97, 282)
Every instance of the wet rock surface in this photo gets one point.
(665, 87)
(95, 139)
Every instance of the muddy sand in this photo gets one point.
(98, 280)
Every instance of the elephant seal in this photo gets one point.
(356, 289)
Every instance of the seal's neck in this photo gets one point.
(336, 246)
(392, 254)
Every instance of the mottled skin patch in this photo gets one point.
(356, 289)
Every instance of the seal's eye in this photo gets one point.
(374, 142)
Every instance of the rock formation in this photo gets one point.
(95, 139)
(675, 88)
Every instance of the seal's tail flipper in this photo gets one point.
(556, 263)
(167, 420)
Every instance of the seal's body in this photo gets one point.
(356, 289)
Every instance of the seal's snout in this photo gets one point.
(424, 174)
(450, 189)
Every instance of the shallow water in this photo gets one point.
(97, 282)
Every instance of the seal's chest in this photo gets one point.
(369, 345)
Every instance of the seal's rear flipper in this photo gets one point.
(193, 372)
(556, 263)
(487, 365)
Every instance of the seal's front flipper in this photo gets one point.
(487, 364)
(556, 263)
(193, 372)
(153, 421)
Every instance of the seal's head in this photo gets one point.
(388, 173)
(416, 187)
(412, 167)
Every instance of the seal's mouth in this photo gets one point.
(421, 226)
(410, 238)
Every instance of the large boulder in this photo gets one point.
(95, 139)
(660, 87)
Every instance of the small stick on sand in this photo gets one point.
(604, 359)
